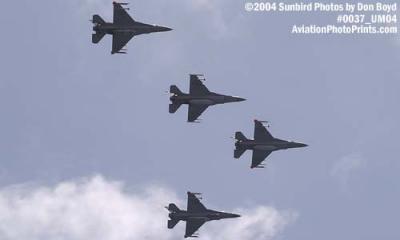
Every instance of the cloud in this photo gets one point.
(259, 223)
(214, 11)
(96, 208)
(347, 165)
(88, 7)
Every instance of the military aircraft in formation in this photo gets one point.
(123, 28)
(199, 98)
(262, 145)
(195, 215)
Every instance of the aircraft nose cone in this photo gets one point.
(296, 145)
(231, 215)
(164, 29)
(300, 145)
(235, 99)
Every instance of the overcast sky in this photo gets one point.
(70, 111)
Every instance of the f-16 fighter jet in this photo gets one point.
(262, 145)
(195, 216)
(199, 98)
(123, 28)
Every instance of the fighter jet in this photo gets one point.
(262, 145)
(123, 28)
(195, 216)
(198, 99)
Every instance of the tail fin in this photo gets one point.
(172, 223)
(173, 107)
(175, 90)
(238, 152)
(97, 20)
(239, 136)
(96, 37)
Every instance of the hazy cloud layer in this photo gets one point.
(347, 165)
(99, 209)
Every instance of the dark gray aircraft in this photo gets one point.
(262, 145)
(198, 99)
(123, 28)
(195, 216)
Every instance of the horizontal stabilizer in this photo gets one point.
(240, 136)
(174, 107)
(175, 90)
(238, 152)
(96, 37)
(97, 20)
(173, 208)
(172, 223)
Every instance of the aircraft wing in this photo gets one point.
(261, 133)
(192, 226)
(258, 157)
(121, 17)
(197, 87)
(120, 39)
(195, 111)
(194, 204)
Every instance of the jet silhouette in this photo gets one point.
(199, 98)
(195, 216)
(262, 145)
(123, 28)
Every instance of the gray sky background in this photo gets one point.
(70, 109)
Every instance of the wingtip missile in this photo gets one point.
(120, 3)
(192, 236)
(259, 166)
(197, 194)
(122, 51)
(196, 121)
(199, 75)
(268, 123)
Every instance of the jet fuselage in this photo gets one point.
(273, 145)
(208, 100)
(207, 216)
(137, 28)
